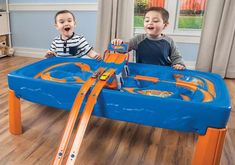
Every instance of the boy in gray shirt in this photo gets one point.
(153, 47)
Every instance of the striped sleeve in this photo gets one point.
(83, 46)
(53, 46)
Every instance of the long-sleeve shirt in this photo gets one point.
(75, 46)
(159, 51)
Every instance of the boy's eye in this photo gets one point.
(155, 21)
(146, 20)
(61, 21)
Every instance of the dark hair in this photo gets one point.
(162, 11)
(62, 12)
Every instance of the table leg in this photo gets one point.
(15, 126)
(209, 147)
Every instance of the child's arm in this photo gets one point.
(177, 61)
(50, 54)
(93, 54)
(176, 58)
(52, 51)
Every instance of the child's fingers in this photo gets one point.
(113, 41)
(116, 41)
(50, 54)
(179, 66)
(47, 55)
(119, 42)
(98, 57)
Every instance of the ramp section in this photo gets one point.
(87, 114)
(72, 118)
(105, 75)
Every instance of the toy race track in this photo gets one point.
(189, 101)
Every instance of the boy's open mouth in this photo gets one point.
(150, 28)
(67, 29)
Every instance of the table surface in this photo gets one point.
(161, 96)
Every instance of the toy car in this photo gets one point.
(95, 74)
(104, 76)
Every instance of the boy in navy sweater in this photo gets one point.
(153, 47)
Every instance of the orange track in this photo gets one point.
(72, 119)
(85, 117)
(77, 105)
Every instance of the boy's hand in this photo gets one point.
(94, 55)
(178, 67)
(98, 57)
(117, 41)
(50, 54)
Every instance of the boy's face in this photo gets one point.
(65, 24)
(153, 23)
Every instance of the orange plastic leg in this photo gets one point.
(14, 114)
(209, 147)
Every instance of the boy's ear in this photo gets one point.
(166, 24)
